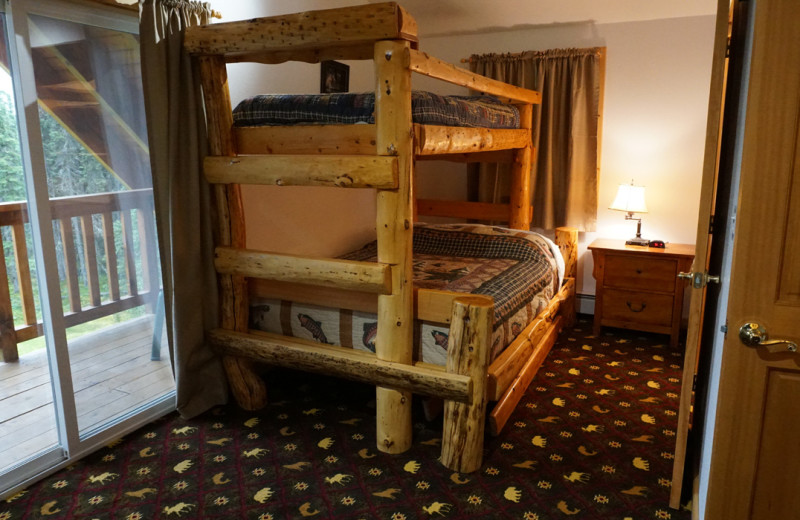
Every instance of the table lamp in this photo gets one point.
(630, 198)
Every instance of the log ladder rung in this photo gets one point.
(340, 171)
(370, 277)
(356, 365)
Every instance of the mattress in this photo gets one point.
(352, 108)
(519, 269)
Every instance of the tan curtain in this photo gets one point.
(176, 132)
(565, 133)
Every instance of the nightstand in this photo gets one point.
(638, 287)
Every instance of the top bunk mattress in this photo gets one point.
(520, 270)
(353, 108)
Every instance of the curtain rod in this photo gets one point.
(598, 51)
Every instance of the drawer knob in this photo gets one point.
(639, 308)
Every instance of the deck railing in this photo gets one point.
(80, 210)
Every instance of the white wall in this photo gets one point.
(656, 96)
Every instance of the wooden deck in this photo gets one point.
(112, 374)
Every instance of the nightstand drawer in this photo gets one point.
(637, 307)
(641, 273)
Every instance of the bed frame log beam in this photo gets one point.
(296, 34)
(437, 140)
(508, 364)
(394, 340)
(436, 68)
(356, 365)
(430, 141)
(340, 171)
(350, 275)
(511, 397)
(248, 388)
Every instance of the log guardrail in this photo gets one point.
(77, 213)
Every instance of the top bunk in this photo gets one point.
(351, 33)
(358, 155)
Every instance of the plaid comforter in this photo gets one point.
(516, 268)
(352, 108)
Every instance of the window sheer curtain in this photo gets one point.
(565, 133)
(177, 139)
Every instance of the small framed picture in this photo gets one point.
(334, 77)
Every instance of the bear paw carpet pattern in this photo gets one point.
(593, 438)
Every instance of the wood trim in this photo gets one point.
(432, 67)
(357, 365)
(341, 171)
(368, 277)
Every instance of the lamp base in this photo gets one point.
(638, 241)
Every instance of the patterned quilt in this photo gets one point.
(352, 108)
(516, 268)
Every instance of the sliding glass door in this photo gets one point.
(26, 396)
(99, 334)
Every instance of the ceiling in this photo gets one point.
(441, 17)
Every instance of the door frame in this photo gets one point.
(72, 445)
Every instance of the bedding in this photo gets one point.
(352, 108)
(519, 269)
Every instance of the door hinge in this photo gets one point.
(711, 224)
(724, 330)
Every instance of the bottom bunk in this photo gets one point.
(474, 348)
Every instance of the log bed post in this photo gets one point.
(519, 206)
(566, 238)
(247, 387)
(395, 232)
(467, 354)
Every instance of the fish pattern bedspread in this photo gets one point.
(516, 268)
(351, 108)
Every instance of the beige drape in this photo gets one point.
(176, 132)
(565, 133)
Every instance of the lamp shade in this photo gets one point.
(629, 198)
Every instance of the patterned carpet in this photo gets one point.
(592, 439)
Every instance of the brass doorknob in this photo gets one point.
(699, 280)
(754, 335)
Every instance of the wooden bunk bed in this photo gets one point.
(380, 156)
